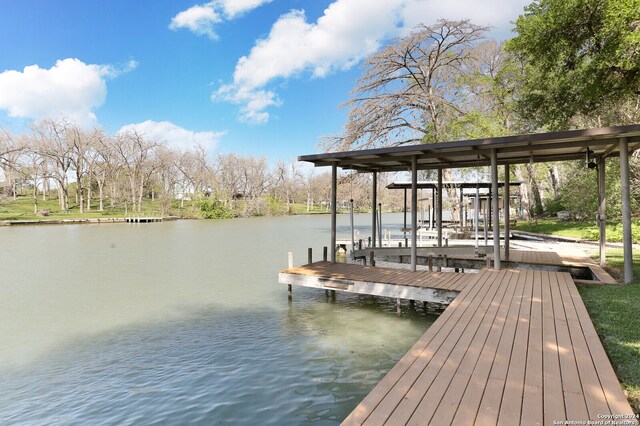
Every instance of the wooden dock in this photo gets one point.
(432, 287)
(465, 257)
(516, 347)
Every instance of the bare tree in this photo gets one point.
(136, 154)
(50, 141)
(409, 88)
(11, 149)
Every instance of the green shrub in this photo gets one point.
(214, 209)
(554, 206)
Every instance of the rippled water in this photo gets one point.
(184, 323)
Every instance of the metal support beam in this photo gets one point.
(626, 210)
(506, 213)
(439, 209)
(334, 209)
(405, 217)
(495, 207)
(374, 206)
(414, 212)
(432, 211)
(460, 213)
(602, 210)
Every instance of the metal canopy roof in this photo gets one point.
(539, 147)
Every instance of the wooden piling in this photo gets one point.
(324, 253)
(430, 263)
(372, 259)
(309, 255)
(398, 306)
(290, 290)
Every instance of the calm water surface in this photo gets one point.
(184, 323)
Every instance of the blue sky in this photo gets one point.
(260, 77)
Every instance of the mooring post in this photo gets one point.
(290, 291)
(398, 306)
(324, 253)
(446, 265)
(360, 244)
(309, 255)
(430, 263)
(372, 259)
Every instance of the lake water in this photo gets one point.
(185, 323)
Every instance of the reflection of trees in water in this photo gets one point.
(349, 344)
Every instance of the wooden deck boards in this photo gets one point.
(352, 272)
(515, 347)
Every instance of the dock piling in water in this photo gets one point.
(309, 255)
(290, 290)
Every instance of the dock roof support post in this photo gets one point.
(439, 208)
(374, 206)
(495, 207)
(460, 216)
(334, 209)
(414, 212)
(506, 212)
(602, 211)
(626, 210)
(405, 217)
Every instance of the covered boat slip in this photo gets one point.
(516, 347)
(594, 145)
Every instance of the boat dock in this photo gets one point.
(584, 269)
(516, 347)
(513, 347)
(431, 287)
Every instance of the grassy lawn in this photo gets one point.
(22, 209)
(576, 229)
(615, 312)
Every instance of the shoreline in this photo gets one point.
(86, 221)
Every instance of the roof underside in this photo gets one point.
(539, 147)
(449, 184)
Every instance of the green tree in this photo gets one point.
(581, 58)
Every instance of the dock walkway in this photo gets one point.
(433, 287)
(516, 347)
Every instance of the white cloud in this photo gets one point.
(201, 19)
(70, 89)
(235, 8)
(174, 136)
(198, 19)
(347, 32)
